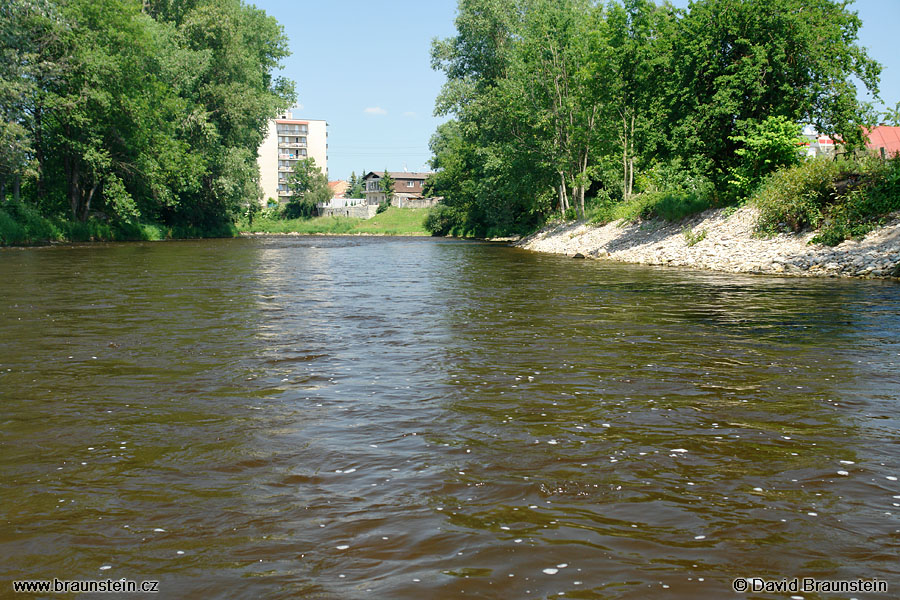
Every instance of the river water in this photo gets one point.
(341, 418)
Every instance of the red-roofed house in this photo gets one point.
(338, 188)
(885, 140)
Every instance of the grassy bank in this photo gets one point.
(22, 225)
(393, 221)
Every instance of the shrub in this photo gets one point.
(845, 198)
(794, 198)
(671, 206)
(441, 220)
(765, 147)
(692, 238)
(23, 224)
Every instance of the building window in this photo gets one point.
(302, 140)
(410, 184)
(302, 151)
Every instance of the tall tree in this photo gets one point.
(308, 187)
(735, 60)
(386, 183)
(635, 56)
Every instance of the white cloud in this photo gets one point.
(375, 110)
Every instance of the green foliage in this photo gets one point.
(136, 111)
(763, 148)
(22, 223)
(891, 116)
(737, 61)
(308, 186)
(386, 183)
(669, 205)
(691, 237)
(552, 98)
(843, 199)
(795, 198)
(394, 221)
(357, 188)
(442, 219)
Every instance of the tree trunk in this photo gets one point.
(39, 152)
(563, 199)
(580, 193)
(625, 158)
(87, 203)
(17, 186)
(69, 164)
(2, 190)
(631, 158)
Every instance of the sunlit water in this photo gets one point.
(414, 418)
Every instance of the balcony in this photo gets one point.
(291, 145)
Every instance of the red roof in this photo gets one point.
(885, 137)
(338, 188)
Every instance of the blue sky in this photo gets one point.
(365, 68)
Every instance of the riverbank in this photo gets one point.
(724, 240)
(393, 221)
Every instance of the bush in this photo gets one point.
(671, 206)
(23, 224)
(844, 199)
(794, 198)
(441, 220)
(765, 147)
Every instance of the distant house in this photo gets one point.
(884, 140)
(339, 188)
(409, 189)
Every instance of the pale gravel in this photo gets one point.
(730, 245)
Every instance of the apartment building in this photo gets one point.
(287, 141)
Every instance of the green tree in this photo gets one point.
(635, 55)
(736, 61)
(892, 115)
(763, 148)
(386, 184)
(150, 110)
(308, 187)
(357, 187)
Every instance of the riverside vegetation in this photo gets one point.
(391, 221)
(630, 110)
(140, 120)
(133, 119)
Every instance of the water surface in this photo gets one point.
(414, 418)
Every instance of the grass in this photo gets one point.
(671, 206)
(842, 199)
(393, 221)
(21, 224)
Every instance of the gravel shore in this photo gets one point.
(721, 240)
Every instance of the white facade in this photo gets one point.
(287, 141)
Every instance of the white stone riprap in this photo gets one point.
(724, 241)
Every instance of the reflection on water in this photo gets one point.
(414, 418)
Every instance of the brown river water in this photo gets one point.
(342, 418)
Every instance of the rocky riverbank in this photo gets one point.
(723, 240)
